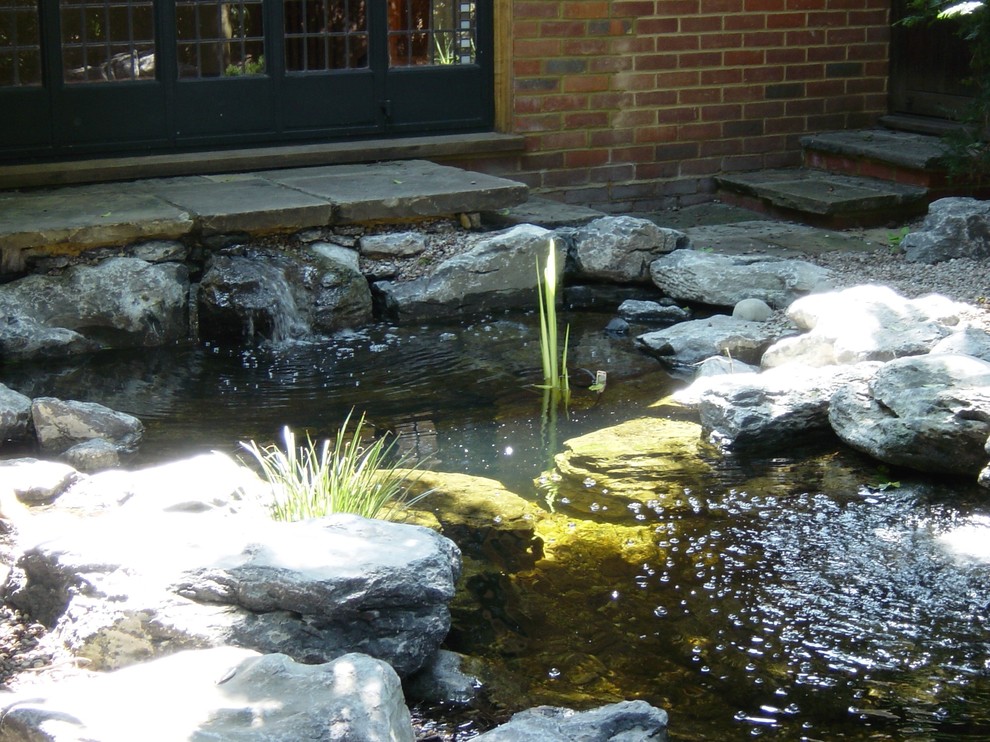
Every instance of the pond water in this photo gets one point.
(799, 596)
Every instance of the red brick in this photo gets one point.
(656, 98)
(742, 93)
(631, 155)
(656, 62)
(632, 9)
(744, 58)
(721, 76)
(586, 83)
(656, 170)
(742, 163)
(702, 166)
(764, 6)
(721, 41)
(585, 158)
(700, 59)
(699, 132)
(611, 173)
(526, 67)
(764, 38)
(679, 79)
(678, 115)
(543, 48)
(723, 112)
(677, 151)
(633, 118)
(610, 138)
(656, 26)
(762, 110)
(763, 145)
(752, 22)
(677, 8)
(570, 177)
(826, 54)
(696, 96)
(633, 45)
(722, 7)
(610, 64)
(763, 74)
(825, 88)
(564, 103)
(586, 120)
(535, 10)
(787, 20)
(804, 107)
(701, 24)
(805, 37)
(563, 140)
(559, 28)
(585, 9)
(838, 36)
(786, 56)
(548, 122)
(678, 42)
(720, 147)
(828, 19)
(805, 72)
(862, 52)
(655, 134)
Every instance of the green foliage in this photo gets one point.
(315, 480)
(248, 67)
(968, 157)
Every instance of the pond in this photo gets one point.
(804, 595)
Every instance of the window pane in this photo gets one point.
(20, 49)
(218, 39)
(107, 41)
(323, 35)
(431, 32)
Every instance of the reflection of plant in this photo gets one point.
(312, 481)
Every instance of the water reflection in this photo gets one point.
(752, 597)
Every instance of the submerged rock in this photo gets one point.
(640, 460)
(15, 416)
(61, 424)
(628, 720)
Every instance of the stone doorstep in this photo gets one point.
(73, 219)
(899, 149)
(822, 197)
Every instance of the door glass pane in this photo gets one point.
(325, 35)
(107, 40)
(218, 39)
(431, 32)
(20, 47)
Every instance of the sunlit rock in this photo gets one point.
(687, 343)
(863, 323)
(498, 271)
(967, 341)
(776, 407)
(725, 280)
(929, 412)
(640, 460)
(224, 693)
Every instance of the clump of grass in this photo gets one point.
(315, 480)
(555, 376)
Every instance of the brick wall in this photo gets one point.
(638, 103)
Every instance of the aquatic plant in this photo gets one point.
(555, 376)
(315, 480)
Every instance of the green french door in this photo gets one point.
(128, 76)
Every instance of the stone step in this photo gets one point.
(821, 198)
(907, 157)
(73, 219)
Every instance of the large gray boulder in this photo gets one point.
(627, 721)
(864, 323)
(968, 341)
(776, 407)
(619, 249)
(725, 280)
(930, 413)
(121, 302)
(15, 416)
(954, 228)
(688, 343)
(60, 424)
(499, 271)
(224, 693)
(119, 585)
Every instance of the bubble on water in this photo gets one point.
(659, 611)
(553, 673)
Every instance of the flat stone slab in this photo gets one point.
(402, 190)
(901, 148)
(65, 220)
(72, 219)
(781, 239)
(242, 203)
(543, 212)
(824, 194)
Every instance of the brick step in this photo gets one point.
(911, 158)
(821, 198)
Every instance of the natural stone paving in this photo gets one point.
(74, 219)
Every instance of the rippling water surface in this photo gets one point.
(797, 597)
